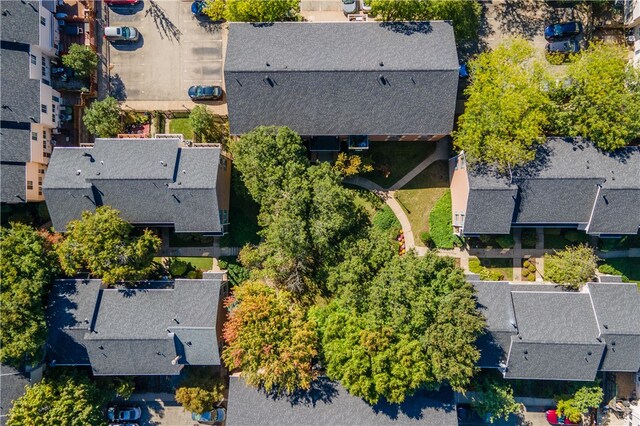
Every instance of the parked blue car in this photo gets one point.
(562, 30)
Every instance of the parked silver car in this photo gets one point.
(349, 6)
(121, 34)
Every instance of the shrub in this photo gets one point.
(505, 241)
(474, 265)
(487, 274)
(525, 272)
(102, 118)
(487, 240)
(178, 268)
(82, 59)
(555, 58)
(532, 267)
(200, 390)
(571, 267)
(529, 238)
(440, 224)
(553, 231)
(386, 220)
(526, 264)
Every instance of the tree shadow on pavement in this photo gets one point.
(117, 88)
(468, 49)
(524, 18)
(162, 22)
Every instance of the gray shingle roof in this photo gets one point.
(544, 361)
(328, 403)
(21, 22)
(309, 77)
(151, 181)
(617, 309)
(138, 330)
(13, 180)
(539, 315)
(489, 211)
(560, 187)
(13, 385)
(558, 329)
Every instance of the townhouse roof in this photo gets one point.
(328, 402)
(569, 183)
(13, 387)
(13, 182)
(151, 181)
(134, 331)
(20, 22)
(402, 78)
(543, 332)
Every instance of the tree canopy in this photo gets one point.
(602, 101)
(571, 267)
(507, 109)
(495, 399)
(200, 390)
(81, 59)
(70, 399)
(102, 118)
(413, 325)
(261, 10)
(27, 266)
(269, 338)
(464, 14)
(102, 243)
(585, 398)
(204, 124)
(305, 212)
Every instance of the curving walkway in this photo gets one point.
(388, 195)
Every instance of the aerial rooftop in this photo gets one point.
(342, 79)
(151, 181)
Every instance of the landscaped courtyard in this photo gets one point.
(393, 160)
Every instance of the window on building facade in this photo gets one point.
(29, 184)
(43, 108)
(43, 20)
(34, 136)
(34, 60)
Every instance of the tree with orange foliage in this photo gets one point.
(269, 338)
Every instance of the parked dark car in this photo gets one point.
(124, 413)
(210, 417)
(203, 93)
(562, 30)
(566, 46)
(554, 419)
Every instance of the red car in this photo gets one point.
(557, 420)
(117, 2)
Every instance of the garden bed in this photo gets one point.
(440, 224)
(528, 269)
(189, 240)
(627, 266)
(420, 195)
(492, 269)
(243, 216)
(393, 160)
(528, 238)
(492, 242)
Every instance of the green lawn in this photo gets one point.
(396, 159)
(243, 216)
(418, 197)
(201, 263)
(181, 125)
(366, 199)
(629, 266)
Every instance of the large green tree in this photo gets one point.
(102, 118)
(463, 14)
(102, 243)
(414, 325)
(204, 125)
(585, 399)
(70, 399)
(82, 59)
(200, 390)
(494, 399)
(27, 266)
(261, 10)
(507, 109)
(602, 101)
(305, 212)
(571, 267)
(269, 338)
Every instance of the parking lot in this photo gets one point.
(175, 51)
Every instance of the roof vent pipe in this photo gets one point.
(175, 360)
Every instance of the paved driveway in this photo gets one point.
(175, 51)
(161, 409)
